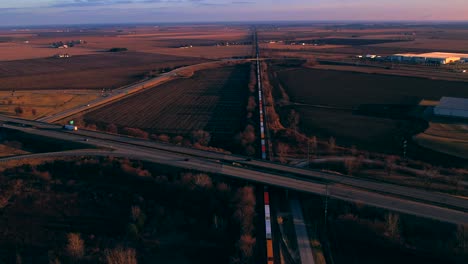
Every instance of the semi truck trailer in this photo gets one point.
(70, 127)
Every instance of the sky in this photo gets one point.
(45, 12)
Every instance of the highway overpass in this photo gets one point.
(406, 200)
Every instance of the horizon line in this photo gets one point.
(348, 21)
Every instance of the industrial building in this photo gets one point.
(431, 57)
(452, 107)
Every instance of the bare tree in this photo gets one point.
(246, 245)
(462, 237)
(293, 119)
(19, 110)
(203, 180)
(313, 144)
(392, 225)
(282, 151)
(135, 212)
(177, 140)
(390, 164)
(430, 173)
(121, 256)
(352, 165)
(331, 145)
(251, 104)
(75, 245)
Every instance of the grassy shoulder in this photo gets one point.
(97, 210)
(36, 104)
(11, 148)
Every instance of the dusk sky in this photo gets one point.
(31, 12)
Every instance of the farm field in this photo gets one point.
(333, 88)
(101, 71)
(450, 138)
(210, 100)
(36, 104)
(343, 92)
(344, 41)
(208, 41)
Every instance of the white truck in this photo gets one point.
(70, 127)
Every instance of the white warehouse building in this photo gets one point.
(452, 107)
(431, 57)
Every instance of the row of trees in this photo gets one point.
(244, 214)
(76, 251)
(247, 138)
(20, 111)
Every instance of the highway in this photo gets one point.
(407, 200)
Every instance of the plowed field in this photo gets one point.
(328, 98)
(212, 100)
(105, 70)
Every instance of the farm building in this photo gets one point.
(453, 107)
(431, 57)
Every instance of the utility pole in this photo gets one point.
(405, 146)
(326, 205)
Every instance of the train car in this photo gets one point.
(269, 245)
(270, 259)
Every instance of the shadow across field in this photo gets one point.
(383, 105)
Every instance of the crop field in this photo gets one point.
(211, 100)
(101, 71)
(328, 99)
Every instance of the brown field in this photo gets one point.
(100, 71)
(354, 39)
(166, 40)
(210, 100)
(23, 51)
(341, 92)
(36, 104)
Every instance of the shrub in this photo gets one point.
(112, 128)
(117, 49)
(201, 137)
(164, 138)
(19, 110)
(135, 132)
(177, 140)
